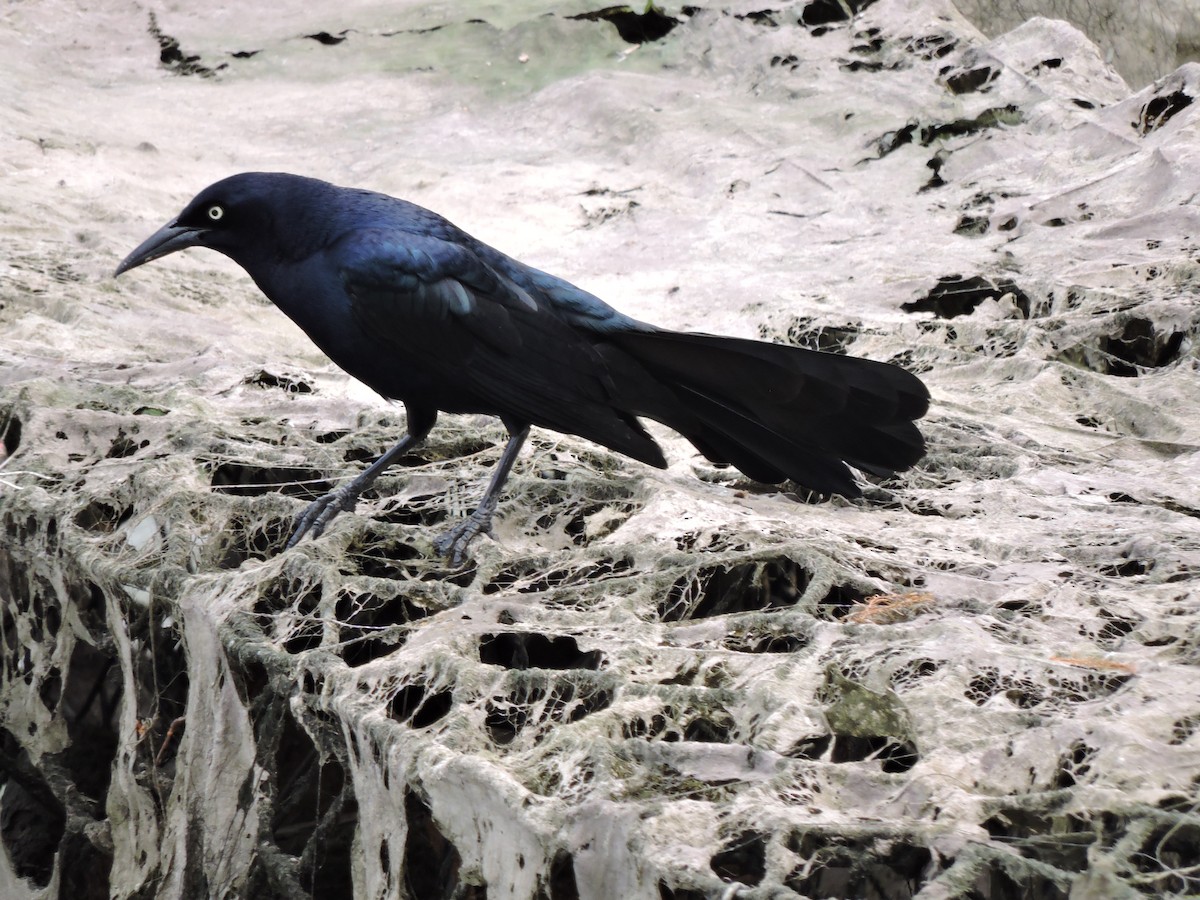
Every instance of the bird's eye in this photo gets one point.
(216, 212)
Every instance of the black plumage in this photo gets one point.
(423, 313)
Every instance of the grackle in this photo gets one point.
(422, 312)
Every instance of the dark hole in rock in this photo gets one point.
(893, 756)
(1074, 765)
(413, 705)
(36, 608)
(1027, 828)
(283, 592)
(577, 527)
(248, 480)
(330, 437)
(1014, 822)
(954, 296)
(763, 17)
(970, 80)
(11, 437)
(811, 334)
(714, 729)
(859, 65)
(504, 720)
(53, 620)
(86, 868)
(667, 892)
(123, 446)
(101, 517)
(715, 591)
(989, 118)
(288, 383)
(811, 747)
(1140, 344)
(894, 140)
(251, 680)
(577, 703)
(1113, 629)
(561, 884)
(935, 180)
(244, 540)
(1083, 104)
(89, 602)
(765, 642)
(655, 727)
(972, 226)
(1168, 856)
(314, 811)
(305, 636)
(932, 46)
(424, 511)
(836, 605)
(564, 702)
(513, 575)
(329, 40)
(32, 819)
(874, 45)
(634, 28)
(911, 671)
(172, 56)
(525, 650)
(999, 883)
(51, 689)
(1023, 607)
(744, 859)
(828, 12)
(836, 866)
(1024, 695)
(380, 558)
(431, 862)
(367, 625)
(1128, 569)
(1160, 110)
(1184, 728)
(928, 134)
(91, 695)
(165, 667)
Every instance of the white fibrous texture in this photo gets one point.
(979, 681)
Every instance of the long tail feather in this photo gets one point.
(778, 412)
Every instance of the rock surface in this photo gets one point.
(980, 681)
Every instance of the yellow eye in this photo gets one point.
(215, 213)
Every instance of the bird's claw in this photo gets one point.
(318, 514)
(453, 544)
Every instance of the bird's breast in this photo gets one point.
(313, 296)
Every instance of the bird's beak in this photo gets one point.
(168, 239)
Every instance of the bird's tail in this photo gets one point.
(778, 412)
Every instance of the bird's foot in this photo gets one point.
(321, 512)
(453, 543)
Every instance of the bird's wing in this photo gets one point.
(439, 305)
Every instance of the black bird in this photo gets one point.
(422, 312)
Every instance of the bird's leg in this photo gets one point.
(454, 543)
(322, 511)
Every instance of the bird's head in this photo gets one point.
(238, 216)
